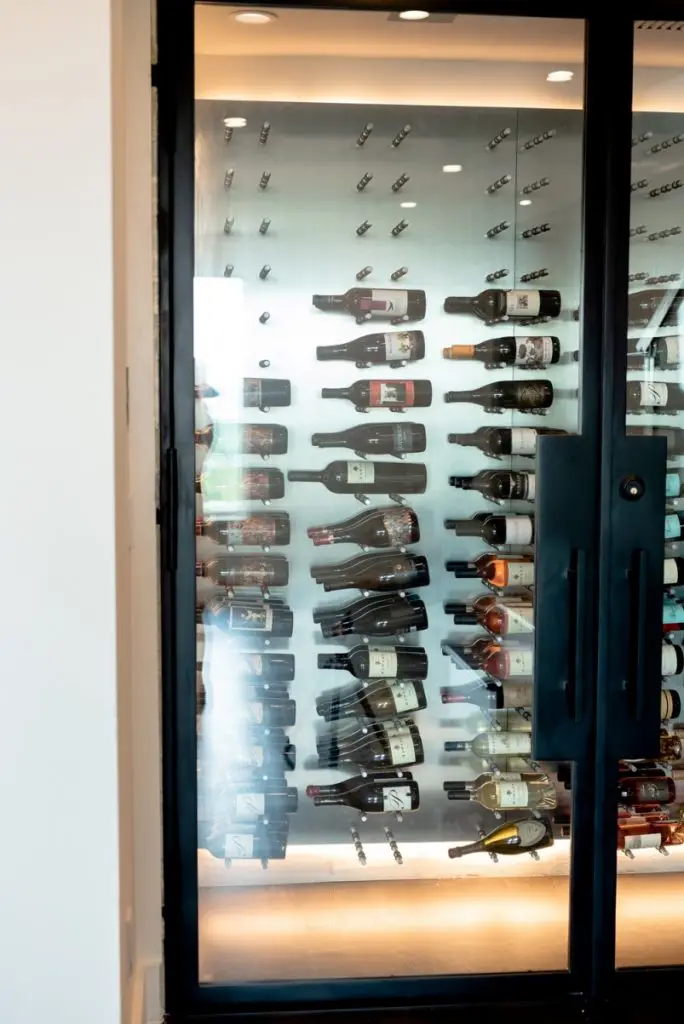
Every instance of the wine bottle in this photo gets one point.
(493, 744)
(498, 485)
(654, 307)
(384, 394)
(673, 485)
(670, 705)
(376, 699)
(662, 353)
(249, 618)
(368, 303)
(674, 524)
(389, 615)
(654, 397)
(220, 481)
(674, 436)
(508, 791)
(495, 530)
(379, 662)
(639, 834)
(497, 442)
(510, 838)
(393, 527)
(491, 657)
(671, 747)
(498, 304)
(474, 654)
(502, 616)
(398, 439)
(267, 751)
(380, 745)
(370, 796)
(259, 800)
(673, 572)
(489, 695)
(245, 438)
(343, 477)
(636, 790)
(265, 529)
(523, 395)
(396, 348)
(265, 392)
(267, 668)
(273, 711)
(532, 353)
(673, 615)
(388, 571)
(264, 845)
(497, 571)
(246, 570)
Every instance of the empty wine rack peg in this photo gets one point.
(363, 228)
(497, 229)
(496, 275)
(228, 270)
(662, 190)
(400, 182)
(358, 845)
(538, 139)
(399, 272)
(641, 276)
(228, 225)
(534, 186)
(264, 132)
(400, 136)
(265, 225)
(364, 272)
(265, 271)
(399, 227)
(498, 139)
(228, 177)
(264, 180)
(264, 318)
(362, 182)
(534, 275)
(499, 183)
(675, 140)
(389, 836)
(644, 137)
(363, 137)
(538, 229)
(228, 134)
(636, 186)
(656, 236)
(640, 230)
(663, 279)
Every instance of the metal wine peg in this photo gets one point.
(641, 138)
(228, 134)
(364, 272)
(663, 851)
(538, 229)
(399, 272)
(538, 139)
(497, 229)
(399, 227)
(228, 270)
(640, 230)
(389, 835)
(399, 320)
(264, 180)
(663, 279)
(400, 136)
(496, 275)
(642, 276)
(481, 834)
(363, 228)
(498, 139)
(666, 144)
(265, 225)
(534, 275)
(228, 225)
(363, 137)
(657, 235)
(400, 182)
(362, 182)
(265, 271)
(264, 133)
(364, 499)
(637, 185)
(628, 854)
(398, 498)
(358, 845)
(534, 186)
(264, 364)
(361, 319)
(228, 177)
(264, 318)
(499, 183)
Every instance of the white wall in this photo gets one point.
(67, 845)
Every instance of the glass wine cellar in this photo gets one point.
(423, 671)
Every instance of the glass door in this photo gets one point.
(387, 311)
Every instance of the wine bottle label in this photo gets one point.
(521, 303)
(520, 574)
(673, 528)
(668, 660)
(666, 705)
(652, 393)
(651, 791)
(673, 612)
(405, 697)
(254, 710)
(402, 438)
(522, 486)
(257, 530)
(398, 526)
(250, 665)
(257, 440)
(257, 618)
(238, 847)
(382, 663)
(255, 483)
(673, 485)
(385, 302)
(520, 663)
(519, 529)
(256, 756)
(402, 749)
(670, 572)
(653, 840)
(530, 832)
(511, 794)
(251, 391)
(509, 743)
(523, 441)
(398, 798)
(251, 573)
(672, 351)
(360, 473)
(249, 805)
(533, 351)
(390, 392)
(518, 620)
(400, 345)
(532, 395)
(517, 695)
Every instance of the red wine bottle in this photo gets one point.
(531, 353)
(673, 435)
(662, 353)
(497, 304)
(244, 438)
(379, 662)
(370, 796)
(246, 570)
(654, 307)
(392, 570)
(523, 395)
(398, 439)
(393, 527)
(264, 529)
(265, 392)
(396, 348)
(389, 615)
(343, 477)
(265, 668)
(498, 485)
(250, 618)
(379, 745)
(384, 394)
(639, 790)
(376, 699)
(224, 482)
(497, 442)
(368, 303)
(654, 396)
(494, 530)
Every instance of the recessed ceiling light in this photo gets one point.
(408, 206)
(235, 122)
(254, 17)
(525, 202)
(560, 76)
(414, 15)
(452, 168)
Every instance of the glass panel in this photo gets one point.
(651, 794)
(387, 216)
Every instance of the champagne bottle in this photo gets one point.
(265, 392)
(497, 442)
(653, 307)
(265, 529)
(388, 571)
(673, 572)
(654, 396)
(268, 668)
(246, 570)
(375, 528)
(498, 485)
(508, 791)
(384, 394)
(398, 439)
(368, 303)
(343, 477)
(379, 662)
(489, 695)
(497, 304)
(370, 796)
(510, 838)
(220, 481)
(396, 348)
(674, 436)
(532, 353)
(497, 571)
(636, 790)
(380, 745)
(376, 699)
(250, 618)
(253, 801)
(389, 615)
(245, 438)
(493, 744)
(523, 395)
(662, 353)
(495, 530)
(502, 616)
